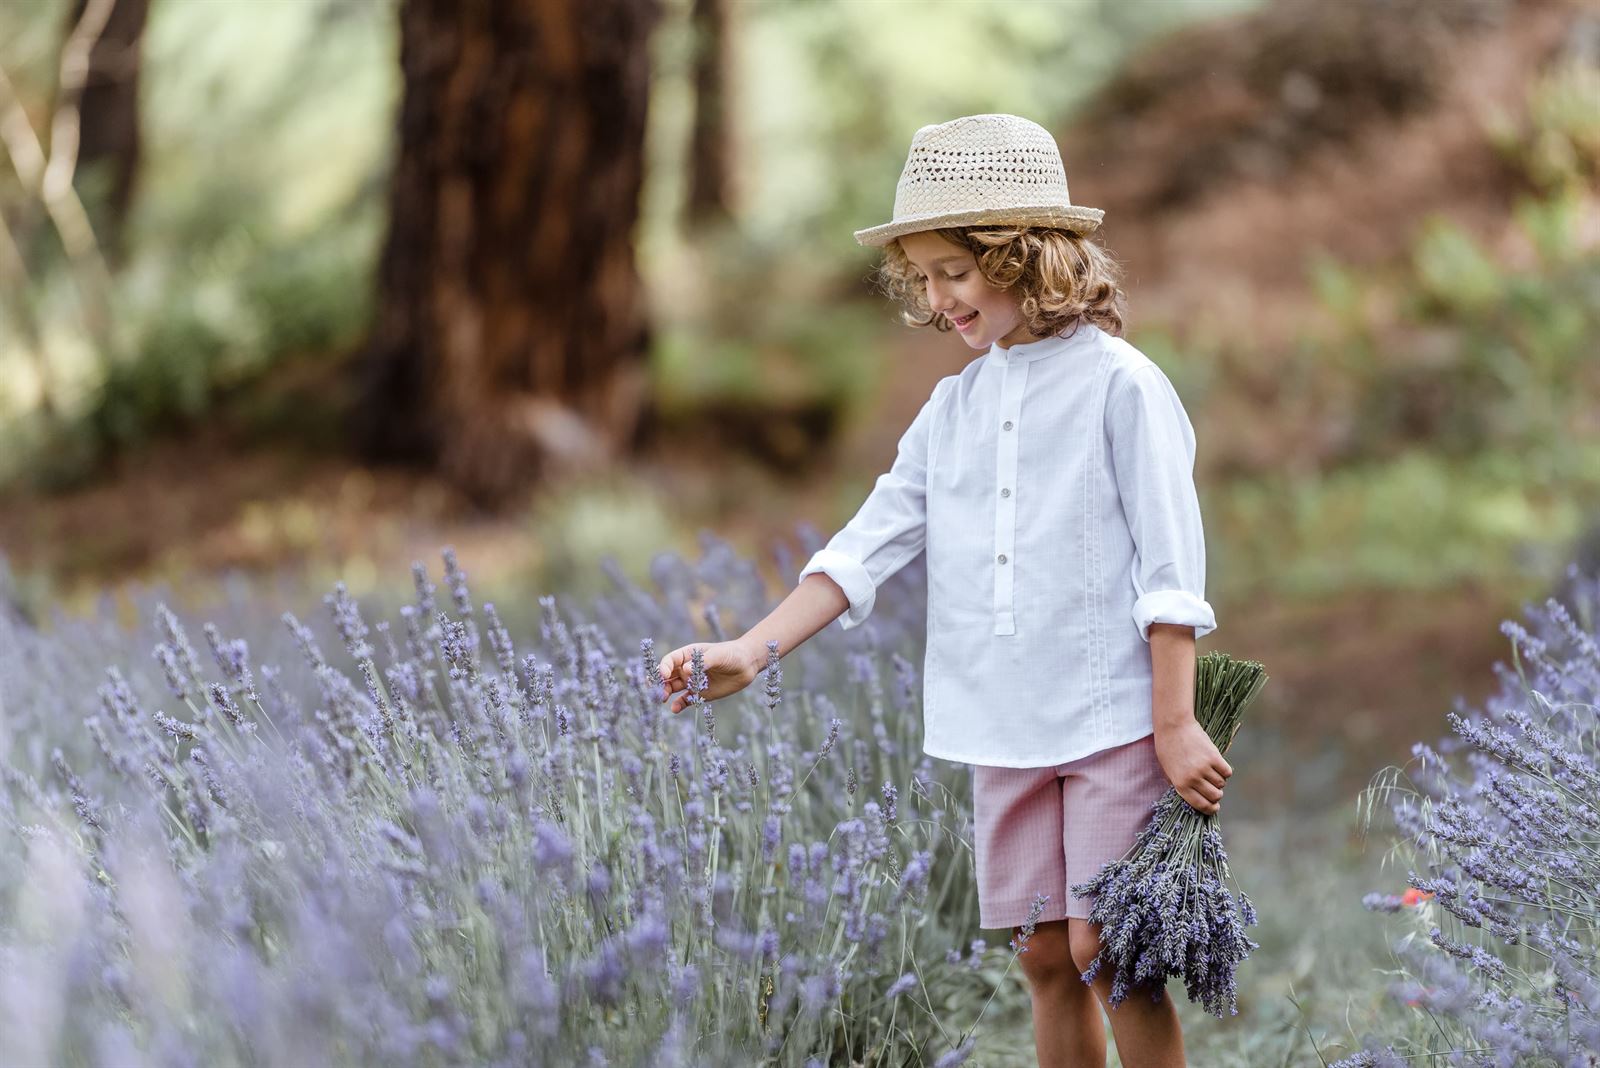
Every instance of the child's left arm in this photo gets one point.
(1152, 456)
(1187, 754)
(1152, 453)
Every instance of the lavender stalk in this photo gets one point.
(1163, 907)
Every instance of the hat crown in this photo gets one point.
(990, 168)
(981, 161)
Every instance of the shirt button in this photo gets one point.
(1005, 492)
(1002, 558)
(1006, 425)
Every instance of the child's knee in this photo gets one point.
(1048, 956)
(1083, 938)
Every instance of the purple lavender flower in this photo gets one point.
(552, 849)
(454, 644)
(1163, 908)
(500, 641)
(774, 675)
(959, 1055)
(348, 622)
(1505, 849)
(457, 579)
(233, 657)
(88, 811)
(1019, 944)
(178, 642)
(697, 684)
(176, 728)
(223, 700)
(167, 657)
(771, 838)
(413, 830)
(832, 739)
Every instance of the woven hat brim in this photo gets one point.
(1081, 219)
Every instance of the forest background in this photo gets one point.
(298, 292)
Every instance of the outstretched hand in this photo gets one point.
(1194, 764)
(729, 668)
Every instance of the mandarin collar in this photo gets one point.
(1026, 351)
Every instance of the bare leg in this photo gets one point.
(1068, 1031)
(1147, 1035)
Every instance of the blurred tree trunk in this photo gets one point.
(708, 197)
(108, 118)
(510, 334)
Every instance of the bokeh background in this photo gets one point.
(297, 292)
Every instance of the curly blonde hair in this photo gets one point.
(1059, 276)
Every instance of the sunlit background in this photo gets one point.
(284, 304)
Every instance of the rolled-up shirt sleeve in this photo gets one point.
(890, 527)
(1152, 452)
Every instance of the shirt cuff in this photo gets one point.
(1173, 606)
(852, 578)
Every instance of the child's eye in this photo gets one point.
(953, 277)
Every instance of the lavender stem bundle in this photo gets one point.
(1163, 908)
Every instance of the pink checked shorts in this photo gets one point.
(1041, 830)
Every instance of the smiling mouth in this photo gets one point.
(965, 319)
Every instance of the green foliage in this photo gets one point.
(170, 380)
(1339, 291)
(573, 527)
(1560, 150)
(1191, 363)
(832, 93)
(250, 243)
(1467, 459)
(842, 86)
(767, 332)
(1454, 275)
(202, 344)
(1419, 521)
(1464, 377)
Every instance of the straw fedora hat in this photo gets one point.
(982, 169)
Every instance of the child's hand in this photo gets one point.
(729, 668)
(1194, 764)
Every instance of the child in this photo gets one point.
(1051, 483)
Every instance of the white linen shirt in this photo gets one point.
(1052, 486)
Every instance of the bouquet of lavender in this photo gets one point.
(1162, 907)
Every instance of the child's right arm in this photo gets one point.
(840, 581)
(732, 665)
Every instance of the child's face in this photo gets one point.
(956, 289)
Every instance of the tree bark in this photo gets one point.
(109, 136)
(511, 335)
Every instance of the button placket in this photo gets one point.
(1005, 513)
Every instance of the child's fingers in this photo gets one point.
(1200, 803)
(665, 668)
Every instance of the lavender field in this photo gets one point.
(445, 831)
(293, 295)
